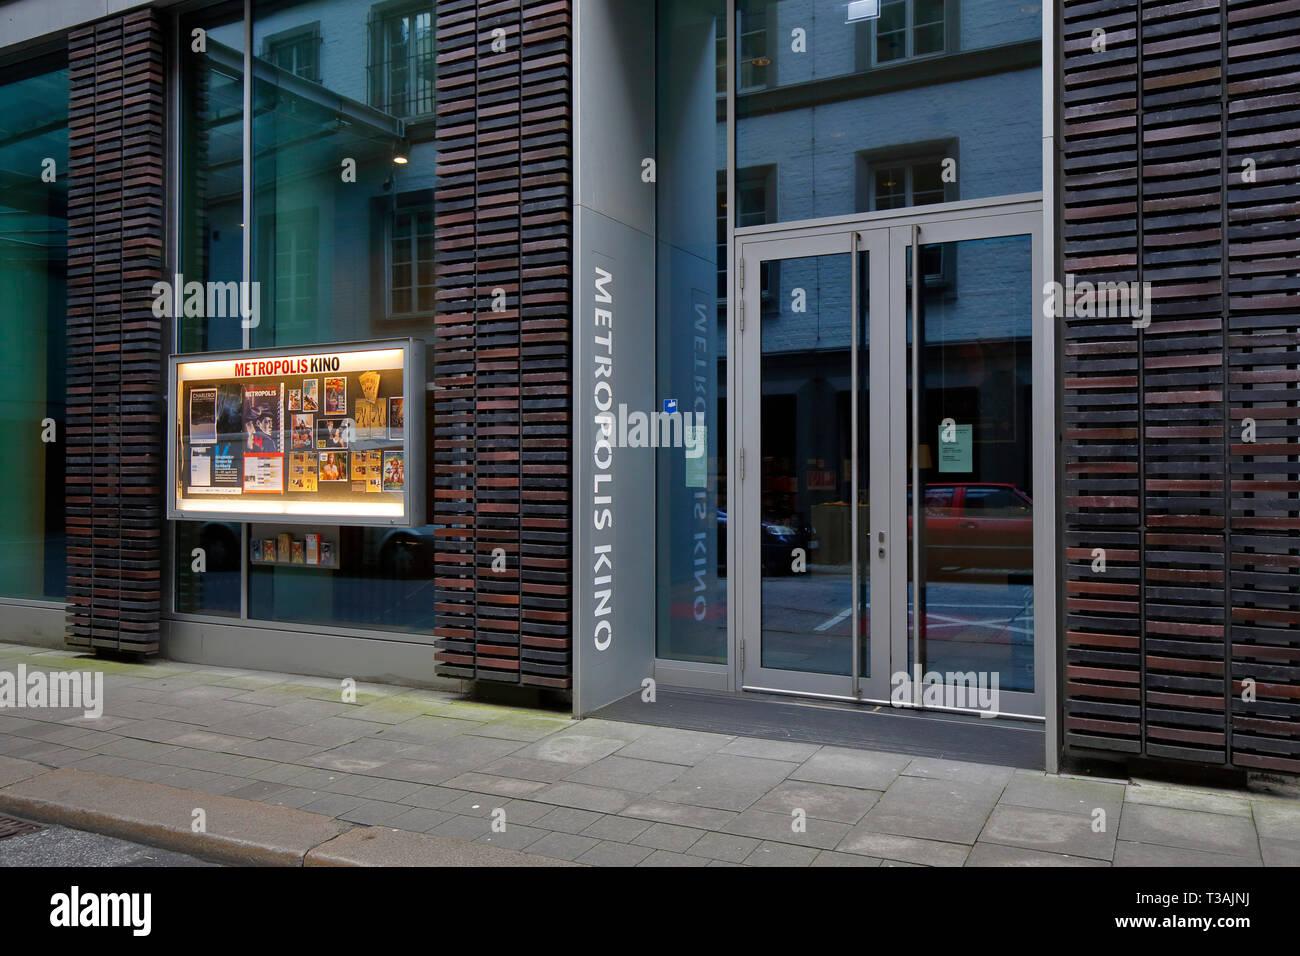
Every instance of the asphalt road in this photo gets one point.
(61, 846)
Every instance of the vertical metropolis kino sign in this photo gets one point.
(602, 514)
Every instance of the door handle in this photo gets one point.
(880, 551)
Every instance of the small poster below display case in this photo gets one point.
(297, 435)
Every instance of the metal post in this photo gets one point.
(853, 459)
(917, 526)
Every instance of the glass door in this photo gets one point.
(963, 597)
(851, 586)
(813, 438)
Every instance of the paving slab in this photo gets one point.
(386, 846)
(670, 745)
(932, 810)
(1069, 833)
(780, 828)
(725, 782)
(238, 831)
(1129, 853)
(1182, 798)
(628, 773)
(12, 770)
(563, 846)
(570, 747)
(1190, 829)
(939, 768)
(840, 766)
(820, 800)
(903, 849)
(609, 853)
(993, 854)
(1067, 794)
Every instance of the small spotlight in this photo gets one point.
(400, 160)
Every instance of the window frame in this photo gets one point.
(293, 36)
(379, 66)
(864, 40)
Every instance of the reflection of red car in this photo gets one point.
(981, 526)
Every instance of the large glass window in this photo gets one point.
(816, 92)
(33, 288)
(692, 313)
(341, 249)
(208, 554)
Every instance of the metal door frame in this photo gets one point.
(743, 504)
(948, 222)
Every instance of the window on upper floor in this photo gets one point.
(403, 59)
(296, 51)
(907, 29)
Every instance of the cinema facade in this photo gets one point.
(571, 346)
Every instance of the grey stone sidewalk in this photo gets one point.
(608, 793)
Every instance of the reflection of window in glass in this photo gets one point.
(897, 185)
(755, 206)
(411, 268)
(402, 59)
(908, 28)
(753, 57)
(296, 51)
(294, 272)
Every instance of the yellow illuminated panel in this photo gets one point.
(316, 434)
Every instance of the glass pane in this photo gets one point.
(33, 324)
(822, 134)
(806, 462)
(333, 233)
(976, 465)
(692, 279)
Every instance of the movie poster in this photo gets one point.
(311, 395)
(262, 422)
(295, 399)
(396, 419)
(203, 416)
(331, 434)
(301, 428)
(336, 396)
(394, 471)
(333, 466)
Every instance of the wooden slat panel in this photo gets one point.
(115, 344)
(1205, 593)
(501, 407)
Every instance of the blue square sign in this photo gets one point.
(670, 406)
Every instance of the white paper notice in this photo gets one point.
(200, 468)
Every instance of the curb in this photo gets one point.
(236, 831)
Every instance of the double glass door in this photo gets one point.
(849, 588)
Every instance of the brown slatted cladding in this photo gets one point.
(1101, 412)
(501, 404)
(115, 383)
(1202, 540)
(1263, 276)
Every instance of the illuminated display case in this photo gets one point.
(298, 435)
